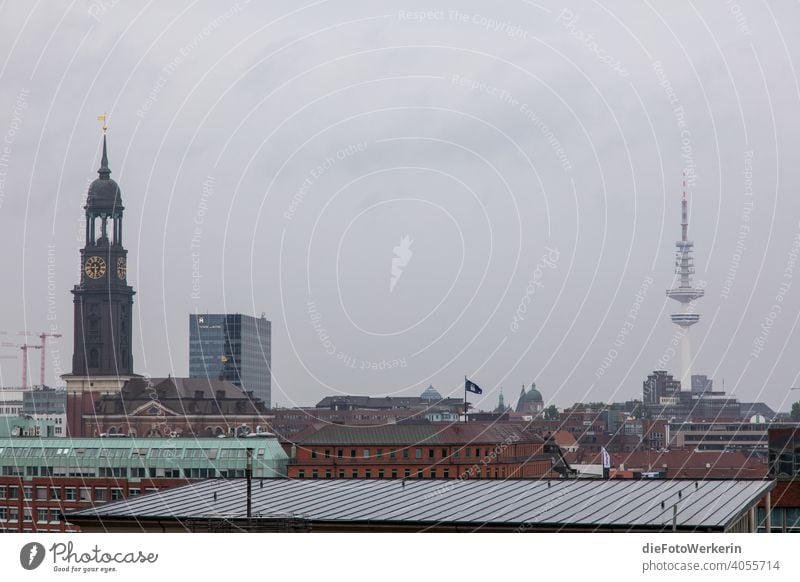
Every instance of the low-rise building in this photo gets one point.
(513, 506)
(42, 478)
(168, 407)
(472, 450)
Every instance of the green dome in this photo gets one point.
(533, 394)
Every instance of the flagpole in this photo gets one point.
(466, 406)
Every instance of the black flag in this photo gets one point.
(470, 386)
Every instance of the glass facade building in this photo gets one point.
(232, 347)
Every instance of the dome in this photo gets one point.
(431, 394)
(104, 194)
(533, 394)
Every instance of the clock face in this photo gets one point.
(121, 268)
(95, 267)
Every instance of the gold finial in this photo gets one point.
(104, 119)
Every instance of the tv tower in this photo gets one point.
(685, 293)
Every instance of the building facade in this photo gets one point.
(175, 407)
(42, 479)
(471, 450)
(719, 436)
(232, 347)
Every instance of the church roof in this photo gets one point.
(181, 396)
(104, 193)
(533, 395)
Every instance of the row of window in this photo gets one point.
(432, 473)
(43, 514)
(162, 453)
(405, 453)
(70, 494)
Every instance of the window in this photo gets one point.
(405, 453)
(354, 474)
(327, 453)
(41, 516)
(431, 453)
(368, 474)
(392, 453)
(69, 494)
(13, 514)
(313, 453)
(3, 514)
(100, 494)
(27, 514)
(315, 474)
(13, 492)
(339, 453)
(86, 494)
(444, 453)
(366, 453)
(41, 493)
(352, 453)
(301, 474)
(446, 473)
(341, 473)
(417, 453)
(466, 451)
(55, 493)
(2, 491)
(116, 494)
(406, 473)
(379, 453)
(381, 474)
(134, 492)
(327, 473)
(27, 493)
(394, 473)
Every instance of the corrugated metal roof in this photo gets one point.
(592, 504)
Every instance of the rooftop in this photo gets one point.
(423, 434)
(469, 505)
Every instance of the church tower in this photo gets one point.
(102, 358)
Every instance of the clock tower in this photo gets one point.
(102, 358)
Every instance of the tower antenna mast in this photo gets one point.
(685, 293)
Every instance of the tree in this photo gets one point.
(795, 413)
(551, 412)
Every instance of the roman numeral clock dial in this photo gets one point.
(95, 267)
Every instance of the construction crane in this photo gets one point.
(43, 346)
(24, 348)
(43, 337)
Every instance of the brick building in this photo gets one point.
(472, 450)
(163, 407)
(43, 478)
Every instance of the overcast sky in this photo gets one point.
(521, 162)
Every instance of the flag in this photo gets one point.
(470, 386)
(606, 458)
